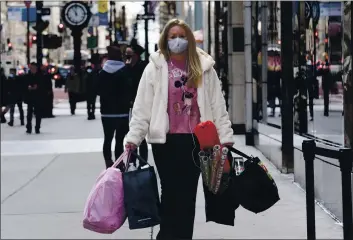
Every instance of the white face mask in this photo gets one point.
(89, 70)
(177, 45)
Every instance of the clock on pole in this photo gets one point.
(76, 16)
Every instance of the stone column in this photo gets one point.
(236, 63)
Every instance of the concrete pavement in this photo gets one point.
(46, 179)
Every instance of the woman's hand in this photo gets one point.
(130, 146)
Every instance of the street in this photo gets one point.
(46, 179)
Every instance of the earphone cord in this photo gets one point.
(191, 132)
(193, 139)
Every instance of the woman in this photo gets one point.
(115, 99)
(178, 89)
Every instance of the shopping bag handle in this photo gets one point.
(232, 149)
(139, 157)
(121, 158)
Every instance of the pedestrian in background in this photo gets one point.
(179, 89)
(90, 78)
(326, 86)
(135, 68)
(34, 97)
(310, 82)
(48, 102)
(72, 86)
(4, 95)
(115, 93)
(16, 92)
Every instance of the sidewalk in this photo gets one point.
(46, 179)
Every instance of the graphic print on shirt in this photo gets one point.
(180, 81)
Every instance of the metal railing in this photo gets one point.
(345, 159)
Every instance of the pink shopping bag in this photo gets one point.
(104, 211)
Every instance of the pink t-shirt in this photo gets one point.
(183, 111)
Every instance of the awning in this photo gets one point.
(198, 36)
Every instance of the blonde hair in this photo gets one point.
(194, 64)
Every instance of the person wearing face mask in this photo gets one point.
(16, 90)
(90, 80)
(135, 68)
(178, 89)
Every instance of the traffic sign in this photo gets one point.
(149, 16)
(28, 3)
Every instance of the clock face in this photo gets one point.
(76, 14)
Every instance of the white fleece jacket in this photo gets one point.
(149, 114)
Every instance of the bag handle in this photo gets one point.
(121, 158)
(127, 153)
(232, 149)
(139, 157)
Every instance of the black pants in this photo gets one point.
(48, 105)
(34, 109)
(91, 105)
(311, 96)
(326, 91)
(179, 174)
(73, 100)
(20, 109)
(119, 126)
(143, 150)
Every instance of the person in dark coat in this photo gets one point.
(115, 93)
(326, 86)
(135, 68)
(4, 96)
(310, 81)
(34, 97)
(16, 91)
(48, 94)
(90, 79)
(72, 86)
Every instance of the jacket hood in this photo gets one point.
(111, 66)
(206, 60)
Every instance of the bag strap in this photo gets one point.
(232, 149)
(139, 158)
(126, 153)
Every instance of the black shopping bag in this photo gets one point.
(141, 196)
(255, 187)
(220, 208)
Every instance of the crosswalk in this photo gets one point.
(62, 108)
